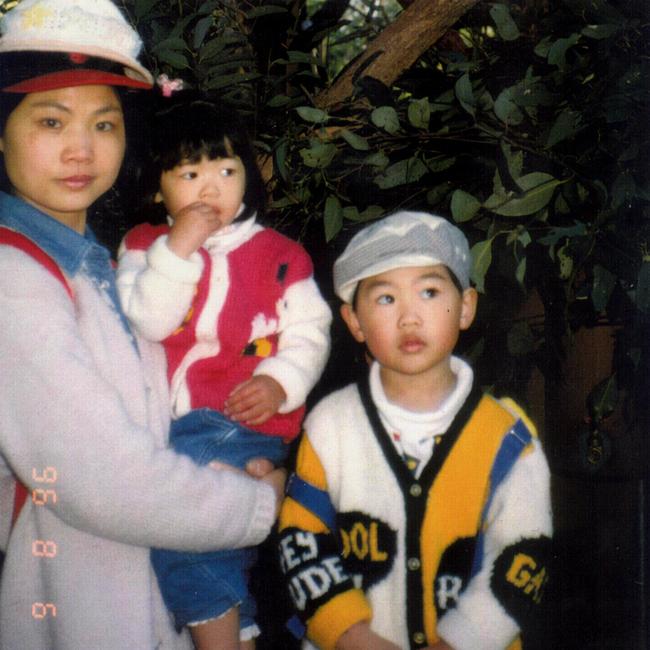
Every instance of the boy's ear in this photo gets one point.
(349, 316)
(2, 144)
(468, 308)
(157, 197)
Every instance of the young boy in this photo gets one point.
(419, 513)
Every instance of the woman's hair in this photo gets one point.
(8, 102)
(190, 125)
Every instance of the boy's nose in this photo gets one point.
(409, 316)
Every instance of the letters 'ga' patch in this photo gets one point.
(453, 573)
(368, 546)
(520, 578)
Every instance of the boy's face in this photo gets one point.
(410, 318)
(63, 149)
(219, 183)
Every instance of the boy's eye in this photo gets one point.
(105, 126)
(188, 175)
(228, 171)
(429, 292)
(385, 299)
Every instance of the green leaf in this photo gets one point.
(438, 194)
(319, 155)
(520, 272)
(465, 94)
(278, 101)
(544, 47)
(355, 141)
(506, 26)
(599, 32)
(386, 117)
(208, 7)
(565, 261)
(623, 189)
(401, 173)
(174, 58)
(521, 339)
(515, 160)
(419, 113)
(215, 46)
(369, 214)
(602, 400)
(439, 164)
(442, 102)
(201, 30)
(568, 232)
(565, 127)
(280, 157)
(557, 53)
(464, 206)
(332, 217)
(604, 283)
(538, 188)
(481, 260)
(265, 10)
(379, 159)
(314, 115)
(224, 81)
(506, 109)
(642, 292)
(296, 56)
(143, 7)
(169, 44)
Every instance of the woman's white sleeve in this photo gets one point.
(60, 407)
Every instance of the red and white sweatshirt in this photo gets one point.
(244, 304)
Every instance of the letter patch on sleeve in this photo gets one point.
(368, 547)
(519, 579)
(313, 569)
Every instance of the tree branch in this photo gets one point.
(399, 45)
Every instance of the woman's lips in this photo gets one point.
(77, 182)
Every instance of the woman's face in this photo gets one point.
(63, 149)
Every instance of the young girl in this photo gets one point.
(243, 324)
(83, 412)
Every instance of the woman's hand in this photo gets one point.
(263, 470)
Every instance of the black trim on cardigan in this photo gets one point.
(415, 504)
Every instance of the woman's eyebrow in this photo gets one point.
(102, 110)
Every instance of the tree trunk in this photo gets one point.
(398, 46)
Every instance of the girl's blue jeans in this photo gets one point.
(202, 586)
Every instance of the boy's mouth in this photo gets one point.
(411, 344)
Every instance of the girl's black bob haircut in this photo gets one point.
(192, 124)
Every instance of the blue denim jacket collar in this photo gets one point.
(72, 252)
(66, 247)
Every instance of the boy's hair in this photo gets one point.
(402, 239)
(192, 124)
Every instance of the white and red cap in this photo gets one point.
(49, 44)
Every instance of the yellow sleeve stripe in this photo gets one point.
(308, 468)
(336, 616)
